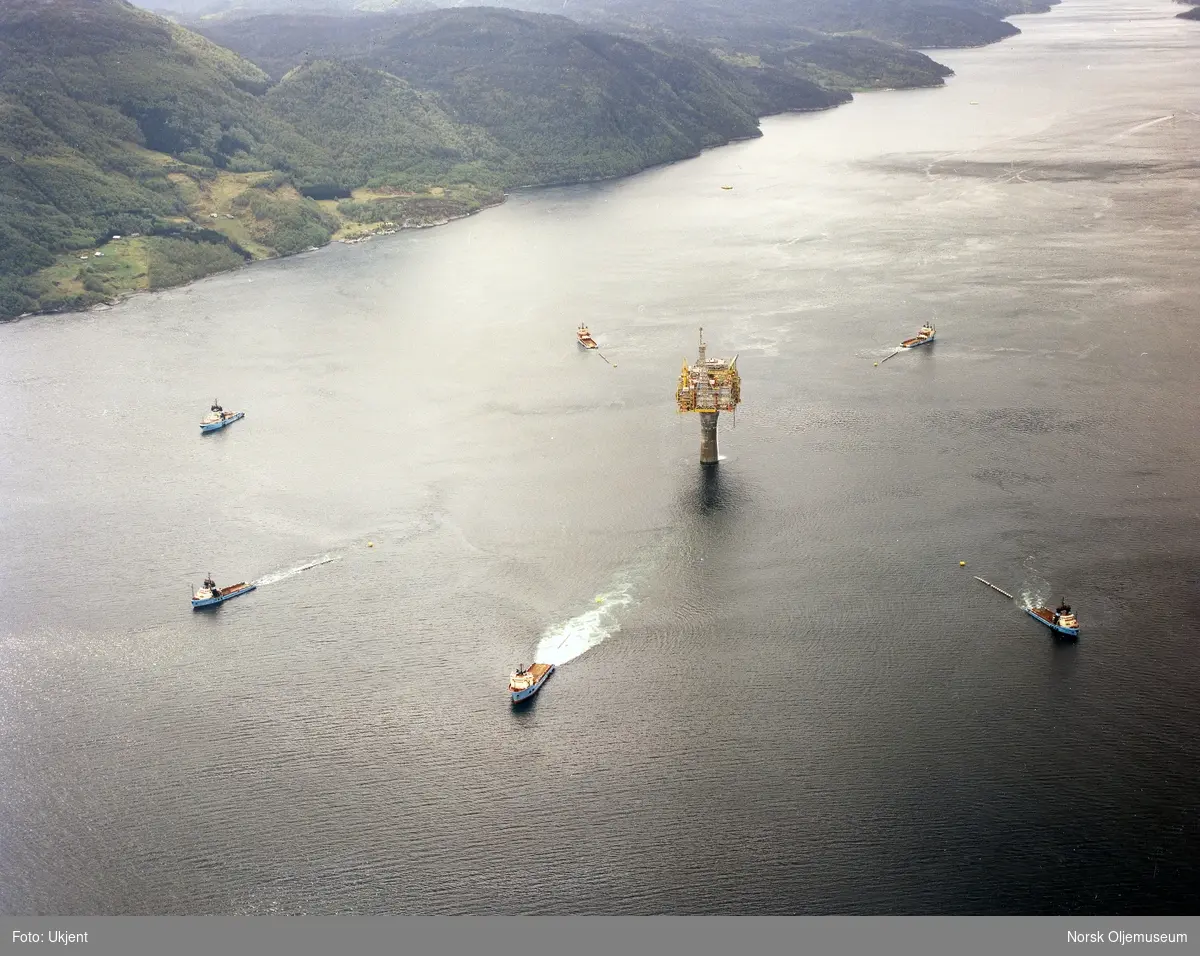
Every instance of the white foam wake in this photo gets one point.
(281, 575)
(580, 634)
(1033, 595)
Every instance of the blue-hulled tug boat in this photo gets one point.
(924, 337)
(527, 681)
(210, 594)
(217, 418)
(1060, 620)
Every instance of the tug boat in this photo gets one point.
(217, 417)
(585, 338)
(923, 337)
(210, 594)
(527, 681)
(1060, 620)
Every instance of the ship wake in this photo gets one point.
(1029, 598)
(1033, 594)
(577, 636)
(291, 572)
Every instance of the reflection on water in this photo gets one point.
(710, 497)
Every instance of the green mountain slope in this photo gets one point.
(118, 123)
(398, 157)
(841, 44)
(916, 24)
(378, 130)
(103, 108)
(134, 77)
(565, 102)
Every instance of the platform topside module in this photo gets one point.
(709, 387)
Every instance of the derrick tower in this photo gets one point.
(709, 387)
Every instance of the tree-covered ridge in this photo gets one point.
(380, 131)
(841, 63)
(916, 24)
(563, 102)
(139, 78)
(912, 23)
(114, 122)
(96, 99)
(839, 44)
(767, 50)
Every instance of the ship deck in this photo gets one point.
(1045, 615)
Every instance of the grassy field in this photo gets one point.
(121, 267)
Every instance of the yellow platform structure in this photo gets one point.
(709, 387)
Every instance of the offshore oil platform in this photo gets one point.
(709, 387)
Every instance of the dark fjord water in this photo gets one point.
(791, 697)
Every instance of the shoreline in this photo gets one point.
(369, 234)
(706, 149)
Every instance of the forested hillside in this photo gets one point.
(118, 123)
(564, 102)
(105, 112)
(136, 153)
(915, 24)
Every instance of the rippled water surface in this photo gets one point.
(779, 692)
